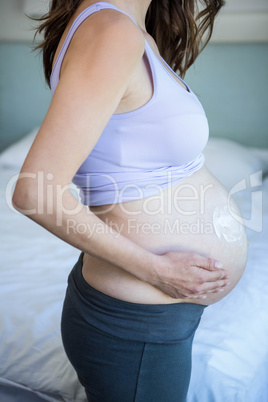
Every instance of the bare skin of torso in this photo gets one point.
(193, 215)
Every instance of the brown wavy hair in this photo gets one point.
(180, 29)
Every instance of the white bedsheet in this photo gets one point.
(230, 351)
(34, 269)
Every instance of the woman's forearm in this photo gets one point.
(74, 223)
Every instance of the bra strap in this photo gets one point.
(102, 5)
(77, 22)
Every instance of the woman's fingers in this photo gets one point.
(189, 275)
(210, 287)
(207, 263)
(215, 276)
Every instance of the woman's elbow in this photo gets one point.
(24, 200)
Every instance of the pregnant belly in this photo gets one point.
(195, 215)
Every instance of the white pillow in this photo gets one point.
(231, 162)
(15, 154)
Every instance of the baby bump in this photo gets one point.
(196, 215)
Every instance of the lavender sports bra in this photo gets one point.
(141, 152)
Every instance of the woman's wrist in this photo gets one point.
(150, 268)
(132, 258)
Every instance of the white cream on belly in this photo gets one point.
(227, 227)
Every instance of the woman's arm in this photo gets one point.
(100, 62)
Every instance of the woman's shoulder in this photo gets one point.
(108, 43)
(112, 27)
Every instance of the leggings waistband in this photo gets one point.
(156, 323)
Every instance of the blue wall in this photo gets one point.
(231, 81)
(24, 97)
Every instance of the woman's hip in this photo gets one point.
(113, 369)
(157, 323)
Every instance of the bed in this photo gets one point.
(230, 350)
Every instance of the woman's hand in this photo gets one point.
(183, 275)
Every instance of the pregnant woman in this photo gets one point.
(158, 234)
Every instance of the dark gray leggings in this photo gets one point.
(127, 352)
